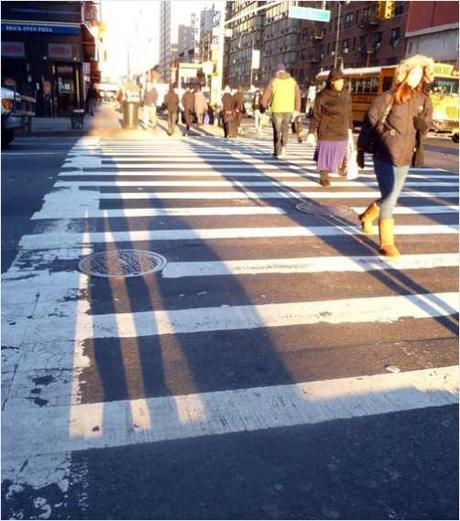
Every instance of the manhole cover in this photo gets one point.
(122, 263)
(325, 210)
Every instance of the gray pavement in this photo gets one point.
(275, 368)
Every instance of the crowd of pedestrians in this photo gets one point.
(392, 130)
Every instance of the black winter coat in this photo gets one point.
(332, 117)
(396, 140)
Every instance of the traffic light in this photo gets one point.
(386, 10)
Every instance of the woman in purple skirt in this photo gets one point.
(331, 123)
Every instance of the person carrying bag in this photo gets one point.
(392, 125)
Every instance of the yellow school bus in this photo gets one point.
(368, 82)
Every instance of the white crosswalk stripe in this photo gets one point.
(252, 278)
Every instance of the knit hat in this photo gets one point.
(336, 72)
(418, 60)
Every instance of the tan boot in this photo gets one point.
(368, 217)
(387, 246)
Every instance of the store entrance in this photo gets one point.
(66, 88)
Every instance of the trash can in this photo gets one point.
(131, 114)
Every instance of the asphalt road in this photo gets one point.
(255, 378)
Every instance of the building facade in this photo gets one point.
(363, 39)
(247, 35)
(165, 40)
(185, 42)
(50, 54)
(432, 29)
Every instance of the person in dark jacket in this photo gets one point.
(331, 123)
(92, 98)
(392, 124)
(227, 114)
(259, 110)
(172, 104)
(238, 108)
(187, 103)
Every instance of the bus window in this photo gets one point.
(387, 83)
(374, 85)
(367, 85)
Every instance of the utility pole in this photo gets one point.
(337, 35)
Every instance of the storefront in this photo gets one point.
(47, 61)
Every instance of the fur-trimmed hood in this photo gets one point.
(415, 61)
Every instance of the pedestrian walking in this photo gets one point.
(92, 98)
(392, 128)
(238, 109)
(331, 125)
(259, 111)
(172, 105)
(227, 114)
(201, 106)
(187, 103)
(150, 105)
(297, 126)
(282, 95)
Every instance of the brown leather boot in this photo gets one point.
(387, 246)
(368, 217)
(324, 178)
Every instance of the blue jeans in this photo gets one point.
(391, 181)
(281, 122)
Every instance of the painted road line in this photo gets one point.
(267, 195)
(73, 213)
(70, 213)
(342, 264)
(111, 424)
(259, 174)
(70, 239)
(417, 210)
(228, 183)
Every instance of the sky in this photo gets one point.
(134, 26)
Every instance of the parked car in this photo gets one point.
(17, 112)
(10, 121)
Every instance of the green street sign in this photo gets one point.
(308, 13)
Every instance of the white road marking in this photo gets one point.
(110, 424)
(308, 265)
(72, 239)
(71, 213)
(268, 195)
(227, 318)
(310, 174)
(228, 183)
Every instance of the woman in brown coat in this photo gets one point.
(391, 125)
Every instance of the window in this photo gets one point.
(345, 45)
(377, 40)
(349, 20)
(399, 8)
(395, 37)
(374, 85)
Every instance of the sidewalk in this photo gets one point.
(107, 122)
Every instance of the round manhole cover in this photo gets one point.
(122, 263)
(325, 210)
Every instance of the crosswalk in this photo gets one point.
(264, 317)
